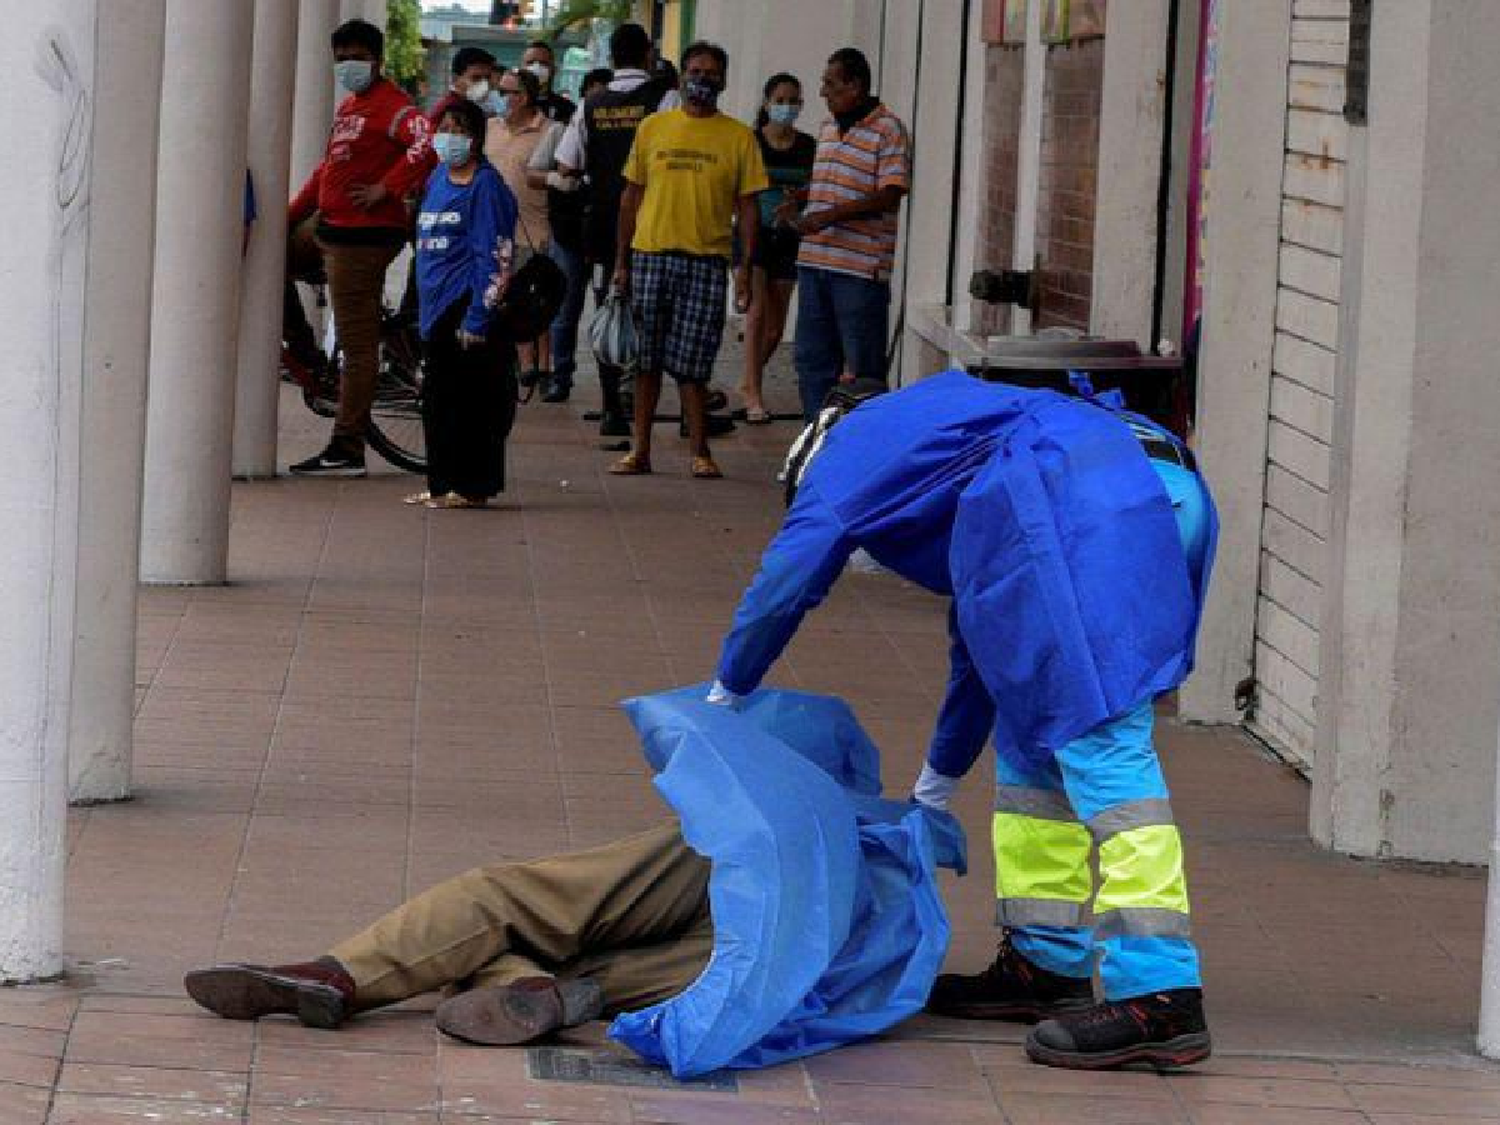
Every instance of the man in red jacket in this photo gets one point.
(353, 212)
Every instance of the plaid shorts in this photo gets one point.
(679, 305)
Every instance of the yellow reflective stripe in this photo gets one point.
(1036, 858)
(1142, 869)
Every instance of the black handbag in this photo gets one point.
(533, 298)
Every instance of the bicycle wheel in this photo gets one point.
(396, 431)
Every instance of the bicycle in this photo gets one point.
(395, 431)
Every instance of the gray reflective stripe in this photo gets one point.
(1044, 804)
(1040, 912)
(1142, 921)
(1132, 814)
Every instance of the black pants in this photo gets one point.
(468, 408)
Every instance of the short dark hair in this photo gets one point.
(629, 46)
(704, 47)
(359, 33)
(470, 119)
(543, 45)
(530, 84)
(465, 57)
(855, 67)
(599, 76)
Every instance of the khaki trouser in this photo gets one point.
(633, 915)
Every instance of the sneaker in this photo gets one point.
(1012, 988)
(557, 391)
(1163, 1029)
(319, 993)
(332, 462)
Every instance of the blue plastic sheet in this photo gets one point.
(828, 923)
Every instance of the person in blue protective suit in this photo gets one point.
(1076, 543)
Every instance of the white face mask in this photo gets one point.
(478, 91)
(542, 71)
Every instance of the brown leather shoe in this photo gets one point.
(519, 1012)
(319, 993)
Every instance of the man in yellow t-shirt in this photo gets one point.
(692, 173)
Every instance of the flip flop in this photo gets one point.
(705, 469)
(631, 465)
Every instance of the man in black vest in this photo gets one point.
(597, 143)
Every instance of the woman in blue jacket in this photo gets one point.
(465, 249)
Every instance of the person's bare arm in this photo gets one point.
(630, 206)
(881, 202)
(747, 218)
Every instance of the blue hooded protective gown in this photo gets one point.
(828, 923)
(1043, 519)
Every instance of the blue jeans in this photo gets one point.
(565, 326)
(843, 322)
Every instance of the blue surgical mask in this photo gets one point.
(452, 149)
(354, 75)
(783, 114)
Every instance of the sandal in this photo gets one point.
(632, 465)
(705, 469)
(454, 500)
(757, 416)
(417, 498)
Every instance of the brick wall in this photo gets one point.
(1070, 165)
(1004, 81)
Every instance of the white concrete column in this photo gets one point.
(47, 53)
(1409, 698)
(116, 354)
(1234, 367)
(258, 390)
(1131, 121)
(1029, 159)
(196, 294)
(312, 112)
(1489, 975)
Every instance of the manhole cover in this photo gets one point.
(605, 1068)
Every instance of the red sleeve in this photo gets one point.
(412, 131)
(306, 201)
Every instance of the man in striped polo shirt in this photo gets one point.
(848, 233)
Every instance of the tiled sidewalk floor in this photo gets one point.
(385, 696)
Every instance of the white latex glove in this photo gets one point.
(934, 790)
(721, 696)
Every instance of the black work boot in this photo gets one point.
(1012, 988)
(1163, 1029)
(529, 1009)
(319, 993)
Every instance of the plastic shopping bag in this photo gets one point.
(828, 923)
(612, 332)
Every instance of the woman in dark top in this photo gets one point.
(788, 154)
(465, 249)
